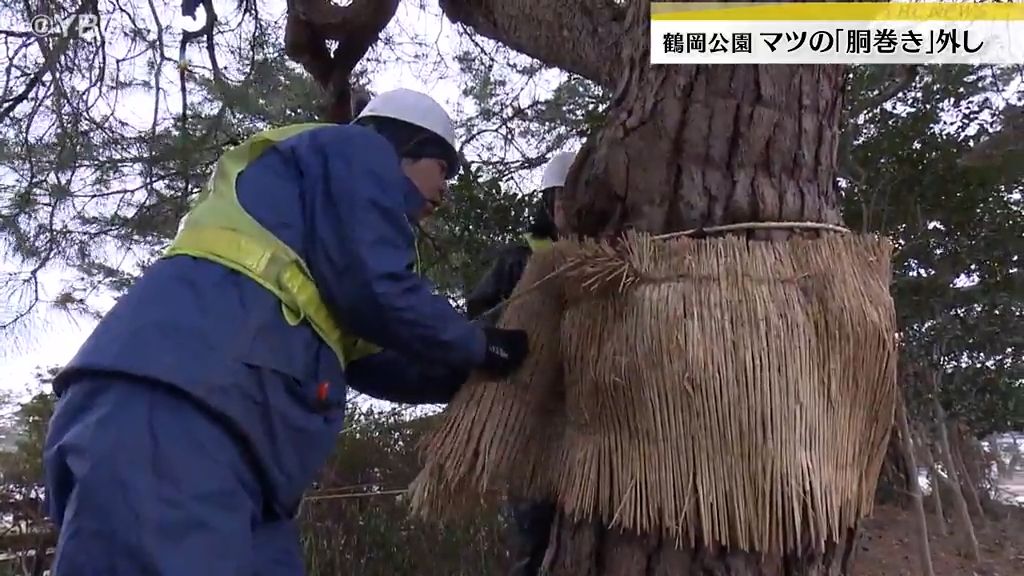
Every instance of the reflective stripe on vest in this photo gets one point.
(538, 243)
(217, 228)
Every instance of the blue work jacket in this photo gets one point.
(338, 197)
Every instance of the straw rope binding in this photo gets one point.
(736, 227)
(729, 391)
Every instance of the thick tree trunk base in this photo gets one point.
(682, 148)
(924, 547)
(589, 549)
(688, 147)
(963, 517)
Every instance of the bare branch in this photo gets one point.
(902, 78)
(1004, 147)
(356, 27)
(157, 76)
(187, 38)
(577, 36)
(18, 34)
(47, 67)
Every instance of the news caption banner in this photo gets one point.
(837, 33)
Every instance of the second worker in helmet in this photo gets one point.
(530, 520)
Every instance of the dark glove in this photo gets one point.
(506, 351)
(511, 273)
(499, 281)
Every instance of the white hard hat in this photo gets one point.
(557, 170)
(413, 107)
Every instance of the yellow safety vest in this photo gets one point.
(537, 243)
(217, 228)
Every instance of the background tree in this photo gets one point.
(357, 521)
(104, 144)
(26, 538)
(958, 290)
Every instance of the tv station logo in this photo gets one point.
(84, 26)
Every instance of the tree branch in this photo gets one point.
(356, 27)
(188, 37)
(902, 78)
(578, 36)
(1003, 146)
(49, 64)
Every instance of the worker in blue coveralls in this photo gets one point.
(531, 520)
(205, 402)
(500, 280)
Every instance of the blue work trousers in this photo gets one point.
(142, 482)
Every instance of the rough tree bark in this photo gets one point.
(692, 146)
(683, 147)
(687, 147)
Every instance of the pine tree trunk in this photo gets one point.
(687, 147)
(963, 517)
(968, 484)
(588, 549)
(924, 547)
(933, 475)
(691, 146)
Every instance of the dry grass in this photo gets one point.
(731, 392)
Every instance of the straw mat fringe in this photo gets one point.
(717, 390)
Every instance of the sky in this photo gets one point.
(54, 337)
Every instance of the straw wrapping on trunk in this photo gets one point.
(719, 390)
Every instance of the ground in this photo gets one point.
(888, 547)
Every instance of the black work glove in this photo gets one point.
(511, 273)
(506, 351)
